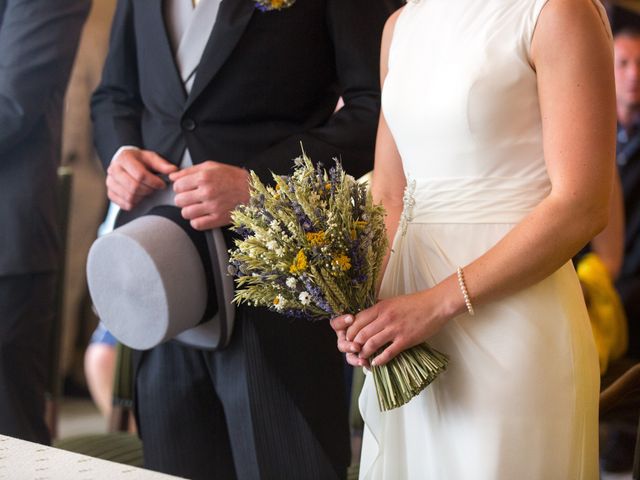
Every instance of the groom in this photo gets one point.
(237, 86)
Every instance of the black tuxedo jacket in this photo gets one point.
(38, 41)
(266, 82)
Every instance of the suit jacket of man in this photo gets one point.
(38, 41)
(266, 82)
(628, 159)
(628, 281)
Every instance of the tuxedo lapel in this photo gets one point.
(233, 18)
(164, 56)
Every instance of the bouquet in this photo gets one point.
(312, 246)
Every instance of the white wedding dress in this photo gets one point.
(519, 400)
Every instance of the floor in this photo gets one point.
(78, 417)
(621, 476)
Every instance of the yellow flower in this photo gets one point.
(269, 5)
(343, 261)
(276, 300)
(299, 263)
(315, 238)
(327, 186)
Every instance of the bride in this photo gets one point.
(494, 161)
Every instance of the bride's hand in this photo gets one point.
(398, 323)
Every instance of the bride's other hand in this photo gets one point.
(398, 323)
(350, 349)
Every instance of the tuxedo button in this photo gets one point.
(188, 124)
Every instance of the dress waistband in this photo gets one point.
(471, 199)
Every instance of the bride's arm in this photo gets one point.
(388, 182)
(573, 60)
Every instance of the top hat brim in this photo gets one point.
(211, 333)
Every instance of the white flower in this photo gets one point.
(278, 302)
(275, 226)
(291, 282)
(305, 298)
(272, 245)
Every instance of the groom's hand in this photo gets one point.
(132, 175)
(207, 193)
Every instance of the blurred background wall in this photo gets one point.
(89, 193)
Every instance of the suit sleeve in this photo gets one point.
(116, 107)
(38, 43)
(355, 27)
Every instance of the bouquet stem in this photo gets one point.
(407, 375)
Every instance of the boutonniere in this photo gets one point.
(268, 5)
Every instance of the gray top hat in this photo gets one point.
(154, 279)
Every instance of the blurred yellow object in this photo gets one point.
(608, 320)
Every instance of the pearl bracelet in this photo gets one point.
(465, 293)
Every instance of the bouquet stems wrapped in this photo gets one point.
(312, 247)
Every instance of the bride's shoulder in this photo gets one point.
(390, 27)
(568, 16)
(575, 29)
(387, 36)
(391, 21)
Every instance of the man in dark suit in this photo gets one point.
(38, 41)
(627, 72)
(271, 405)
(624, 16)
(617, 446)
